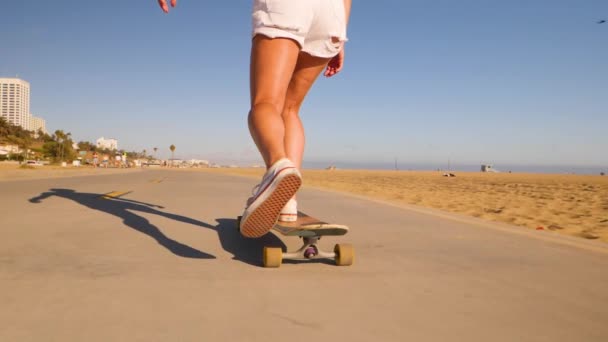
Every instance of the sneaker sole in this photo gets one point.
(264, 217)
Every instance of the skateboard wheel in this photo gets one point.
(273, 256)
(345, 254)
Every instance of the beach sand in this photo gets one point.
(575, 205)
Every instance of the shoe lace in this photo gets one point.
(255, 189)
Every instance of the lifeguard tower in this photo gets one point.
(487, 168)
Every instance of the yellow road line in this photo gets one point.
(114, 194)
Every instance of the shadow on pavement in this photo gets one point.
(246, 250)
(122, 208)
(243, 249)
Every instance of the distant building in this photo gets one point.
(7, 149)
(15, 101)
(110, 144)
(37, 123)
(198, 162)
(15, 105)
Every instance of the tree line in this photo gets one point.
(56, 147)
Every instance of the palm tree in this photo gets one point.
(156, 148)
(172, 148)
(60, 138)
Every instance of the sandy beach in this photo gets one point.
(575, 205)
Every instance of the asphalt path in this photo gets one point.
(160, 259)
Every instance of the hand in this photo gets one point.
(163, 5)
(335, 64)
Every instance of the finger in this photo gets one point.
(173, 3)
(339, 68)
(340, 63)
(163, 5)
(329, 68)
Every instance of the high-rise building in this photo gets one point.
(15, 101)
(37, 123)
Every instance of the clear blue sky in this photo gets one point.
(502, 82)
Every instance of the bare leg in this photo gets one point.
(306, 72)
(272, 64)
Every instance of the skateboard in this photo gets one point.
(310, 230)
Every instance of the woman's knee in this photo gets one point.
(265, 108)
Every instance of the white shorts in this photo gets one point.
(318, 26)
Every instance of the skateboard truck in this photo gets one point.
(343, 254)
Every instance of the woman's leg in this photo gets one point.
(272, 65)
(306, 72)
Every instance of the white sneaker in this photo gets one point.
(279, 184)
(289, 213)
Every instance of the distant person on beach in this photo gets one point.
(293, 41)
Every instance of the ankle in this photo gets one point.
(274, 159)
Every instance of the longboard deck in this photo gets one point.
(308, 226)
